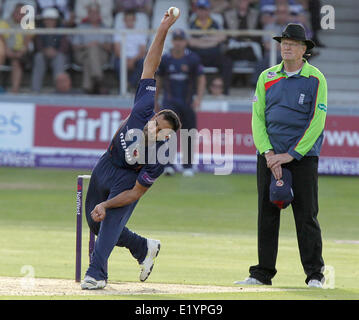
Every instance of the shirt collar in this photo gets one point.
(304, 72)
(206, 26)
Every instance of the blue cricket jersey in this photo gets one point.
(180, 78)
(123, 150)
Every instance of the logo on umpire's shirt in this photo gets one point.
(301, 98)
(271, 74)
(322, 107)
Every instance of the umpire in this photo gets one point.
(288, 118)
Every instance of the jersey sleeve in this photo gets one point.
(316, 123)
(145, 99)
(149, 174)
(259, 131)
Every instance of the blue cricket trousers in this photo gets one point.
(106, 182)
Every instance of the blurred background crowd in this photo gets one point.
(90, 63)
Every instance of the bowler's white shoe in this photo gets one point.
(249, 282)
(315, 284)
(169, 171)
(188, 172)
(90, 283)
(153, 248)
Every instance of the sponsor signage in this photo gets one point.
(83, 128)
(16, 126)
(75, 137)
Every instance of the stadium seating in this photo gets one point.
(339, 59)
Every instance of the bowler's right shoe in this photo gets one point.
(249, 282)
(153, 248)
(90, 283)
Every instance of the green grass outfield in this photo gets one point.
(207, 225)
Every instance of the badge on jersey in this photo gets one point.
(322, 107)
(147, 178)
(184, 68)
(301, 98)
(271, 75)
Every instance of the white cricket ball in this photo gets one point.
(175, 11)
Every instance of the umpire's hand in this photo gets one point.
(99, 213)
(276, 170)
(275, 161)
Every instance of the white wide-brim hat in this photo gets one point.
(50, 13)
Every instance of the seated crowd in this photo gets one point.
(94, 53)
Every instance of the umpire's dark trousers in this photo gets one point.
(305, 210)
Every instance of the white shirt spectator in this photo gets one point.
(133, 43)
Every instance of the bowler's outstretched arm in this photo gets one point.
(153, 57)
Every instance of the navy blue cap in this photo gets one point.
(203, 4)
(178, 34)
(280, 191)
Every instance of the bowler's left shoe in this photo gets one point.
(153, 248)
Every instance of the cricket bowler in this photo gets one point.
(117, 182)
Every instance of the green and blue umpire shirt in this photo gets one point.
(289, 112)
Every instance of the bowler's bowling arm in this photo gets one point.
(153, 57)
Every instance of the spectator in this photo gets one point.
(64, 7)
(216, 88)
(135, 5)
(106, 11)
(63, 84)
(8, 6)
(180, 76)
(92, 52)
(282, 16)
(268, 8)
(135, 49)
(51, 49)
(14, 47)
(209, 47)
(219, 6)
(243, 17)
